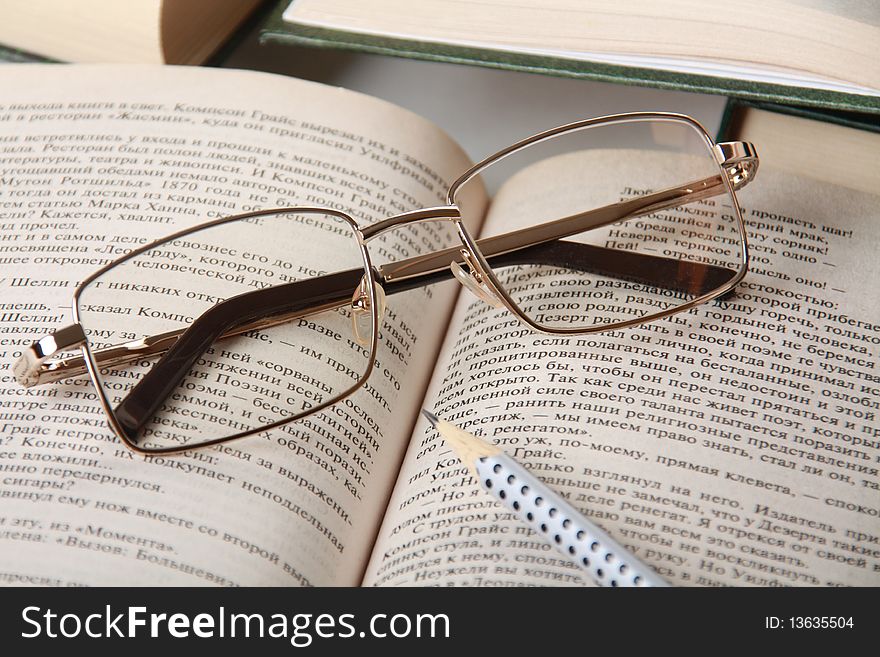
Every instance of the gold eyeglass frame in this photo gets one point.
(737, 163)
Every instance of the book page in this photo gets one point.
(95, 160)
(735, 444)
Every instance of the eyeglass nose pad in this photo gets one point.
(360, 308)
(473, 281)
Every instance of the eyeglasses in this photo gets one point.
(249, 322)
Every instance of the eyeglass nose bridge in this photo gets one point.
(414, 216)
(471, 276)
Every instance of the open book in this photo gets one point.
(735, 444)
(818, 52)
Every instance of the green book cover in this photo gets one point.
(276, 30)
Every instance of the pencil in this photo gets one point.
(606, 561)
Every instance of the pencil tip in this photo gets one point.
(433, 419)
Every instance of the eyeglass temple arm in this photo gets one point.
(40, 363)
(290, 300)
(300, 298)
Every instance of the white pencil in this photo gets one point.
(550, 516)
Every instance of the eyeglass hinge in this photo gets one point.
(739, 159)
(27, 368)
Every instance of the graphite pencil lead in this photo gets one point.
(468, 447)
(433, 419)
